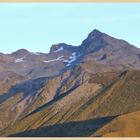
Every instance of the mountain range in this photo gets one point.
(73, 91)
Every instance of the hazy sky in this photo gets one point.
(36, 26)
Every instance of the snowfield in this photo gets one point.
(19, 60)
(60, 49)
(57, 59)
(68, 61)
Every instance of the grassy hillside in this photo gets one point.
(85, 110)
(122, 126)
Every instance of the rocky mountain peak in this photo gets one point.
(95, 33)
(94, 42)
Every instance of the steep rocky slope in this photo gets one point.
(87, 108)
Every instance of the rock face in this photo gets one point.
(73, 90)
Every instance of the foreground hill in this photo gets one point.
(124, 125)
(87, 110)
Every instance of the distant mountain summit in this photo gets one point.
(111, 51)
(97, 40)
(20, 53)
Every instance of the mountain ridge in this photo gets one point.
(95, 32)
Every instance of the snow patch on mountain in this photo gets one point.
(60, 58)
(57, 59)
(19, 60)
(60, 49)
(71, 59)
(68, 65)
(36, 53)
(50, 61)
(74, 54)
(68, 61)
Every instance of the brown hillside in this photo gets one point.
(87, 108)
(127, 125)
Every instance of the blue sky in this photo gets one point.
(36, 26)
